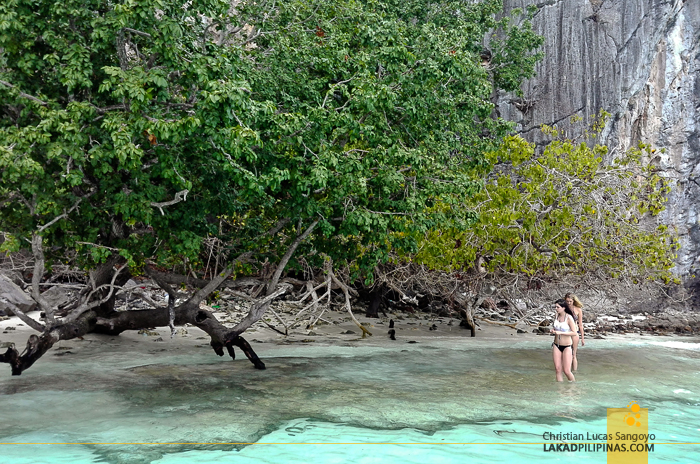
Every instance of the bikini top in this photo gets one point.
(562, 326)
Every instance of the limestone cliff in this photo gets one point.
(640, 61)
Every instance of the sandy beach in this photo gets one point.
(335, 328)
(339, 328)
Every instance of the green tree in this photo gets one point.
(132, 132)
(380, 116)
(556, 217)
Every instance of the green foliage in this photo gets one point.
(113, 135)
(9, 244)
(383, 114)
(563, 212)
(366, 115)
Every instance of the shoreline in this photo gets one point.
(336, 329)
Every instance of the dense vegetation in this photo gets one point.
(354, 117)
(136, 135)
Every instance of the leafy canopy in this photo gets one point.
(147, 126)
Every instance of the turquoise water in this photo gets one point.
(441, 400)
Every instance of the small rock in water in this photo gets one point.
(148, 332)
(348, 332)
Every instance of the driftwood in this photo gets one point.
(508, 324)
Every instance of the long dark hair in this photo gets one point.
(567, 309)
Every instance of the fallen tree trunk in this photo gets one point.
(93, 309)
(118, 322)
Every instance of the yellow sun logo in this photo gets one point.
(633, 414)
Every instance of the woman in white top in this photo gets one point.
(563, 329)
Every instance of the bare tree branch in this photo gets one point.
(348, 306)
(277, 227)
(134, 31)
(87, 305)
(258, 309)
(109, 108)
(288, 255)
(179, 196)
(26, 319)
(25, 95)
(202, 293)
(38, 252)
(162, 283)
(62, 216)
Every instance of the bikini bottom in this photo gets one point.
(562, 347)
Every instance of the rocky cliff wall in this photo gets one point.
(640, 61)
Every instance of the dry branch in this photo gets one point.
(24, 95)
(348, 306)
(179, 196)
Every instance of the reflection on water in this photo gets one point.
(451, 390)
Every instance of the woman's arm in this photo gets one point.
(580, 325)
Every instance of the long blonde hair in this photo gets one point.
(577, 302)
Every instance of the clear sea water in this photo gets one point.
(441, 400)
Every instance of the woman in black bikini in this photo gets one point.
(563, 329)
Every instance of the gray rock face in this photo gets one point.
(12, 294)
(56, 296)
(640, 61)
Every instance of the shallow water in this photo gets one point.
(377, 402)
